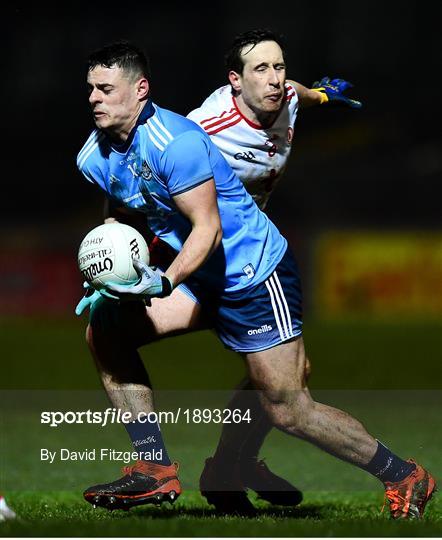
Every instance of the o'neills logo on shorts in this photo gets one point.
(264, 328)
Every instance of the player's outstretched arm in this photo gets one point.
(325, 91)
(306, 96)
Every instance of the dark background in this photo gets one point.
(380, 166)
(377, 169)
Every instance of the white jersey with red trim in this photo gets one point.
(258, 156)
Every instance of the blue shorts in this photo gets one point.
(258, 317)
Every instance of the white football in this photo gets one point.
(106, 254)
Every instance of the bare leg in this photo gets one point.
(117, 331)
(243, 441)
(114, 334)
(235, 467)
(279, 376)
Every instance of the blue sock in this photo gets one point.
(387, 466)
(148, 442)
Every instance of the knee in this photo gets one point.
(290, 411)
(116, 324)
(102, 325)
(104, 316)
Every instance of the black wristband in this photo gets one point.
(167, 286)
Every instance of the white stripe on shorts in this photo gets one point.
(275, 310)
(280, 307)
(287, 311)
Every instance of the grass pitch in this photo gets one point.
(352, 514)
(388, 376)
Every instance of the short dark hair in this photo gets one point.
(122, 54)
(233, 59)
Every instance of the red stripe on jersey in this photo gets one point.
(252, 124)
(289, 91)
(220, 128)
(213, 117)
(220, 121)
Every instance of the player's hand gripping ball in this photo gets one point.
(106, 256)
(107, 252)
(151, 284)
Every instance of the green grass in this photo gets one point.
(325, 514)
(387, 375)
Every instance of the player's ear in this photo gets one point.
(235, 80)
(142, 88)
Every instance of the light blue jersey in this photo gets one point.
(165, 155)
